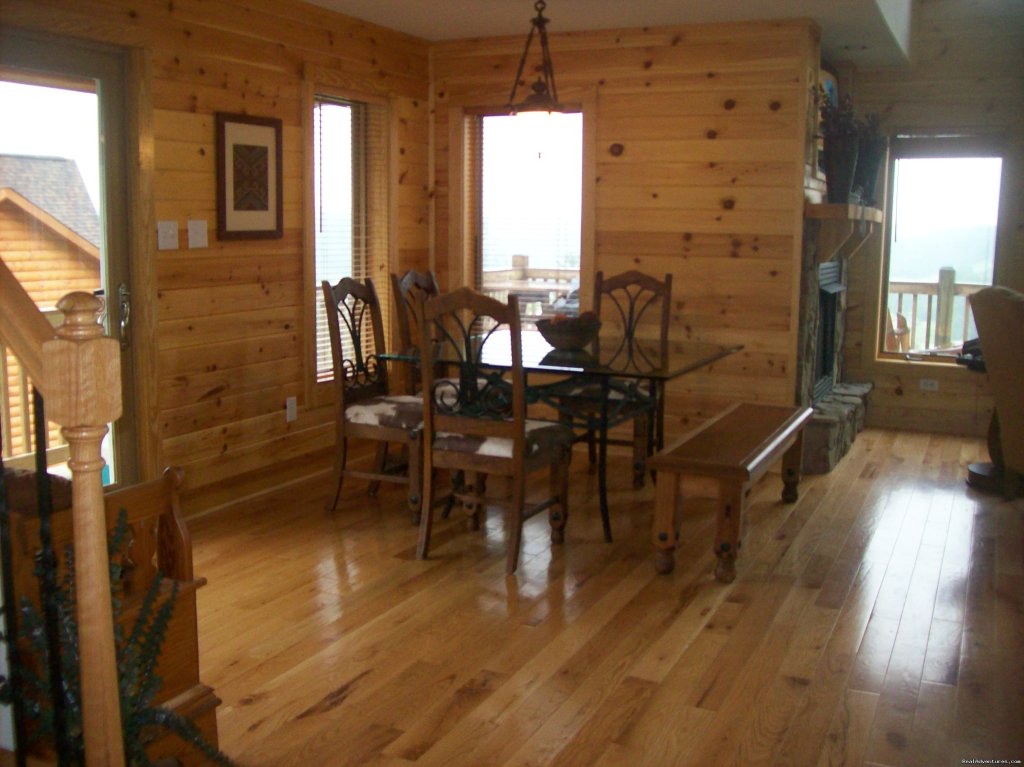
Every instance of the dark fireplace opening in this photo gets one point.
(830, 286)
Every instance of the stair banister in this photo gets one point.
(78, 371)
(24, 328)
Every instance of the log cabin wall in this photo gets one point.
(227, 321)
(47, 263)
(49, 260)
(967, 76)
(712, 125)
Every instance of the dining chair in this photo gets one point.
(365, 407)
(476, 422)
(631, 306)
(408, 290)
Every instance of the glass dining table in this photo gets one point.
(592, 387)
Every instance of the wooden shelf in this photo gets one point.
(841, 228)
(842, 212)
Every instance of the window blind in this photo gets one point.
(350, 197)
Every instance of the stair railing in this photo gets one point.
(77, 370)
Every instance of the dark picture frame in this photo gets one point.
(249, 188)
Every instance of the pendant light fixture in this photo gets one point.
(544, 95)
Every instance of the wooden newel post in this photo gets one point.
(83, 395)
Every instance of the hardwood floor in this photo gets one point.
(878, 621)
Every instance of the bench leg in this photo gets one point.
(727, 538)
(792, 461)
(665, 533)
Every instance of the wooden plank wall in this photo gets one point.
(708, 185)
(229, 319)
(967, 77)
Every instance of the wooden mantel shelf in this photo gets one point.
(841, 229)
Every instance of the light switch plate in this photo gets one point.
(167, 235)
(197, 237)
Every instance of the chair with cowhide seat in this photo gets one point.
(365, 407)
(475, 421)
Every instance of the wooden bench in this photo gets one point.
(157, 542)
(735, 448)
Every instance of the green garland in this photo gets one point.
(137, 657)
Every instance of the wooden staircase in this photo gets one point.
(77, 369)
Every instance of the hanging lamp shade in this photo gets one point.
(543, 95)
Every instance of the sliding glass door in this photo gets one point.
(63, 212)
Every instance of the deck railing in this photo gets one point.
(537, 287)
(937, 314)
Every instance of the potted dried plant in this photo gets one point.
(872, 147)
(841, 131)
(137, 655)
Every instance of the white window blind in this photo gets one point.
(350, 198)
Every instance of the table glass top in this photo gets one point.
(612, 356)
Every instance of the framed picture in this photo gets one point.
(248, 177)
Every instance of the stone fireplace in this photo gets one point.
(838, 405)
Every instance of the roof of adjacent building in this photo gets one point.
(54, 184)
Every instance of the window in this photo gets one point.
(527, 205)
(350, 205)
(943, 210)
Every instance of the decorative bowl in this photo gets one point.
(570, 332)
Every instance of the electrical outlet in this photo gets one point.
(290, 413)
(929, 384)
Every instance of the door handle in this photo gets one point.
(124, 303)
